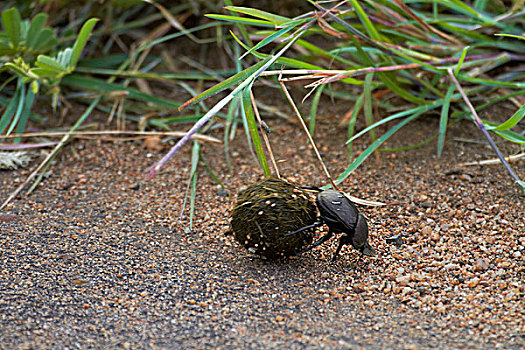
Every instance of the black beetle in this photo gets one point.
(341, 216)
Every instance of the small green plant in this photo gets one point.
(27, 48)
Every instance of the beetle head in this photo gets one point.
(360, 238)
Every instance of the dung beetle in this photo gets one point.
(340, 214)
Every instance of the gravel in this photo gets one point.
(98, 258)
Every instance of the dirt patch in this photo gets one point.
(98, 258)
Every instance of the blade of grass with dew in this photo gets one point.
(313, 109)
(351, 124)
(367, 152)
(254, 131)
(443, 120)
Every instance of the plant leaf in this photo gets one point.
(11, 21)
(81, 41)
(50, 63)
(37, 24)
(46, 40)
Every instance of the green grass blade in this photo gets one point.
(231, 81)
(461, 59)
(367, 152)
(26, 113)
(443, 121)
(254, 130)
(9, 111)
(511, 136)
(416, 110)
(242, 20)
(367, 23)
(313, 109)
(88, 83)
(229, 128)
(276, 19)
(512, 121)
(353, 119)
(21, 86)
(241, 27)
(195, 152)
(269, 39)
(512, 36)
(367, 92)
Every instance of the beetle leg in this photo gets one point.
(319, 241)
(315, 224)
(341, 244)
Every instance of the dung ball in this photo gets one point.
(266, 211)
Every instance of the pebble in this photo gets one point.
(426, 230)
(481, 265)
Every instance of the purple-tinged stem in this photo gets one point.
(483, 129)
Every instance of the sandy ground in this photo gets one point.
(98, 258)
